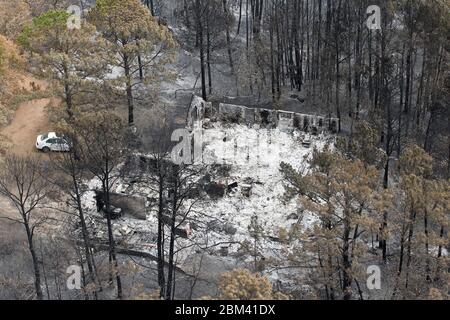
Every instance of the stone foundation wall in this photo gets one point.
(285, 120)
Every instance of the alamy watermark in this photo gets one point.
(373, 22)
(74, 20)
(74, 280)
(216, 146)
(374, 279)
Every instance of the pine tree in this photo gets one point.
(140, 46)
(346, 197)
(241, 284)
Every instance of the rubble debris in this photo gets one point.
(206, 179)
(130, 205)
(274, 239)
(223, 251)
(246, 190)
(136, 165)
(293, 216)
(229, 229)
(115, 212)
(143, 239)
(151, 201)
(306, 142)
(232, 212)
(117, 235)
(183, 231)
(207, 123)
(249, 180)
(133, 253)
(221, 170)
(194, 226)
(215, 190)
(192, 193)
(221, 227)
(125, 230)
(231, 187)
(297, 97)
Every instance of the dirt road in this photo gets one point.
(29, 121)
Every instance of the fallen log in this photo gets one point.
(130, 252)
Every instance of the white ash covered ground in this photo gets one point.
(218, 225)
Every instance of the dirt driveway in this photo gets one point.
(29, 121)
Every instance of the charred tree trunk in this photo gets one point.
(129, 90)
(37, 272)
(111, 242)
(202, 47)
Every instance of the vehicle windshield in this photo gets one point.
(44, 136)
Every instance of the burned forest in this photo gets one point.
(220, 150)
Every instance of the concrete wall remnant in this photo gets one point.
(285, 120)
(231, 113)
(266, 118)
(250, 117)
(131, 205)
(197, 111)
